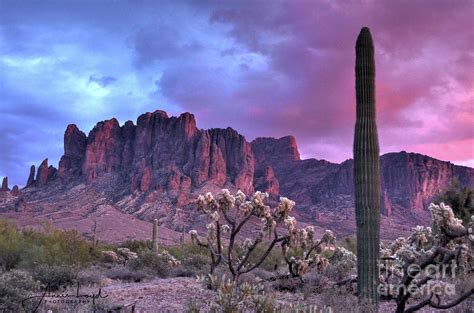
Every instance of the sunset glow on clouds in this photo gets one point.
(265, 68)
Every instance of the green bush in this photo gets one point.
(15, 286)
(55, 276)
(350, 243)
(460, 199)
(12, 246)
(93, 275)
(59, 247)
(181, 252)
(192, 266)
(149, 260)
(29, 248)
(135, 245)
(126, 273)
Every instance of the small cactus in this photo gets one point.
(154, 240)
(94, 235)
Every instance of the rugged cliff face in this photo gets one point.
(165, 161)
(409, 182)
(160, 153)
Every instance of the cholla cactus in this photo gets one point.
(470, 230)
(172, 261)
(445, 221)
(443, 245)
(342, 255)
(236, 210)
(302, 239)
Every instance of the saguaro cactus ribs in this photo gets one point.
(366, 171)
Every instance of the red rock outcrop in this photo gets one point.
(409, 181)
(31, 176)
(74, 151)
(5, 184)
(157, 153)
(169, 160)
(275, 151)
(43, 173)
(267, 181)
(15, 191)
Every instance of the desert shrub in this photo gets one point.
(58, 247)
(90, 276)
(191, 266)
(194, 259)
(247, 296)
(339, 300)
(460, 199)
(273, 261)
(342, 265)
(55, 276)
(180, 252)
(288, 284)
(126, 273)
(135, 245)
(157, 264)
(197, 261)
(29, 248)
(233, 296)
(350, 243)
(12, 246)
(15, 286)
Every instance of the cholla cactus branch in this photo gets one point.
(304, 238)
(237, 211)
(275, 240)
(439, 306)
(444, 247)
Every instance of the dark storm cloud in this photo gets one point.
(102, 81)
(266, 68)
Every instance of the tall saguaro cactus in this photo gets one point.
(366, 172)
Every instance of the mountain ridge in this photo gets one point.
(156, 167)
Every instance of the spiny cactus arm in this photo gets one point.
(230, 251)
(241, 224)
(408, 278)
(228, 219)
(265, 255)
(216, 253)
(291, 266)
(250, 250)
(235, 229)
(315, 246)
(247, 255)
(195, 239)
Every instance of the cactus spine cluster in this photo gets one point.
(154, 240)
(366, 172)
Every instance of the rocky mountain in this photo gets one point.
(156, 167)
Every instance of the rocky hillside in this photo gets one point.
(155, 168)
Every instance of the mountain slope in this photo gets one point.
(155, 169)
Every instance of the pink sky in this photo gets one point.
(265, 68)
